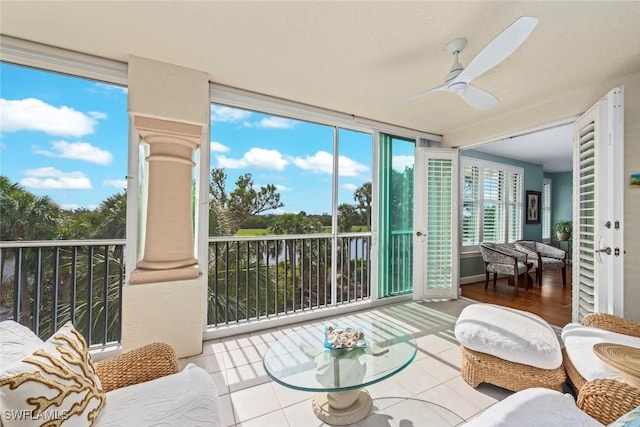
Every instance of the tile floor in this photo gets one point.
(429, 392)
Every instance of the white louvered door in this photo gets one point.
(436, 253)
(598, 208)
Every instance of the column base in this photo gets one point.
(170, 312)
(357, 411)
(142, 275)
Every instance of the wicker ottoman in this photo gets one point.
(509, 348)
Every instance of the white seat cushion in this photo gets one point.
(188, 398)
(513, 335)
(579, 341)
(534, 407)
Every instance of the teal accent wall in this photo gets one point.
(471, 266)
(561, 196)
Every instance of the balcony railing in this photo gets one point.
(45, 284)
(259, 277)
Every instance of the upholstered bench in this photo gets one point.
(509, 348)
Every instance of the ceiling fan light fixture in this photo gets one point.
(457, 87)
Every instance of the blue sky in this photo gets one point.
(66, 138)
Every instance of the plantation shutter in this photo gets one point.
(598, 208)
(515, 208)
(546, 209)
(471, 206)
(440, 214)
(436, 224)
(586, 219)
(494, 212)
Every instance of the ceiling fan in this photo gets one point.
(459, 78)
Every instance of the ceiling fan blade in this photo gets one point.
(478, 98)
(499, 48)
(433, 89)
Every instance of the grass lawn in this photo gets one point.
(243, 232)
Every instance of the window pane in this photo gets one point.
(264, 166)
(65, 144)
(354, 181)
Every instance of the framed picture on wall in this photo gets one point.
(533, 207)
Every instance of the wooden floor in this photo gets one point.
(552, 302)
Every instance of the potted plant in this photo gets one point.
(563, 230)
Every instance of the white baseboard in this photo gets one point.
(472, 279)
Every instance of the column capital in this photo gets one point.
(152, 129)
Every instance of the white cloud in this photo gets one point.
(228, 114)
(70, 207)
(110, 87)
(276, 123)
(98, 115)
(350, 187)
(256, 157)
(36, 115)
(217, 147)
(322, 162)
(54, 179)
(116, 183)
(78, 151)
(271, 123)
(281, 187)
(349, 167)
(399, 163)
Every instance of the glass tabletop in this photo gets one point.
(301, 361)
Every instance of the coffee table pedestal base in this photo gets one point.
(342, 408)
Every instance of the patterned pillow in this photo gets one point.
(55, 385)
(16, 342)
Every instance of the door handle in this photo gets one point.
(418, 233)
(606, 250)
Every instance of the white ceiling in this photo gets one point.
(363, 58)
(550, 147)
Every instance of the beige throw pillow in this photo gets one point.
(54, 386)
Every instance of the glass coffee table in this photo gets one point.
(339, 377)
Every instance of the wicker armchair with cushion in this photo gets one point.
(601, 389)
(57, 379)
(504, 260)
(545, 257)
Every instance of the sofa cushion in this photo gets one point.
(188, 398)
(579, 341)
(534, 407)
(56, 381)
(16, 342)
(509, 334)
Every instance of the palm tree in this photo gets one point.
(362, 195)
(25, 216)
(240, 284)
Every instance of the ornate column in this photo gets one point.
(165, 297)
(169, 241)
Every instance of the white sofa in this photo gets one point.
(185, 398)
(541, 407)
